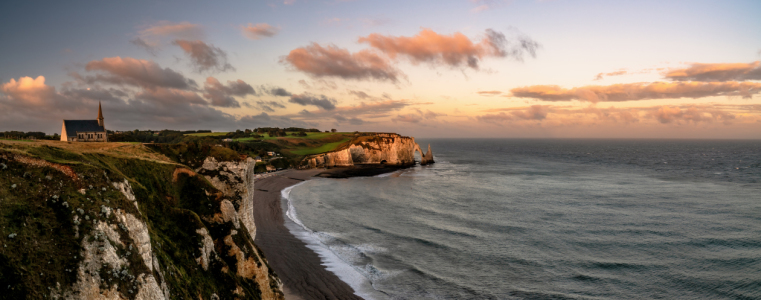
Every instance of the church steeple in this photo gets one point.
(100, 115)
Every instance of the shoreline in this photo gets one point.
(300, 268)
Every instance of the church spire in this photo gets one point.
(100, 115)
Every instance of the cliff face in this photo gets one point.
(379, 148)
(236, 181)
(96, 226)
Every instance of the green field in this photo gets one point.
(322, 149)
(16, 140)
(318, 142)
(310, 135)
(207, 134)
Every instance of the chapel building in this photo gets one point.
(85, 130)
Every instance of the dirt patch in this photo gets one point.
(36, 162)
(178, 171)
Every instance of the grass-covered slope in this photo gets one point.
(68, 229)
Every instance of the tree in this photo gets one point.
(333, 130)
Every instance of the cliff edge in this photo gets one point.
(373, 148)
(124, 223)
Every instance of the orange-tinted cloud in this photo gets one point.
(718, 72)
(489, 93)
(593, 115)
(205, 57)
(259, 31)
(454, 50)
(375, 109)
(407, 118)
(616, 73)
(30, 91)
(534, 112)
(693, 114)
(638, 91)
(184, 30)
(331, 61)
(136, 72)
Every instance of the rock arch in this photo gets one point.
(425, 158)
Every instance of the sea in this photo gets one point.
(545, 219)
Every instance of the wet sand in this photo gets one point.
(297, 266)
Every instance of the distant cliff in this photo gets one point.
(374, 148)
(125, 223)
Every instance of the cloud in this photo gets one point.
(136, 72)
(205, 57)
(407, 118)
(432, 115)
(307, 99)
(489, 93)
(30, 104)
(454, 50)
(691, 114)
(151, 47)
(182, 30)
(483, 5)
(365, 96)
(222, 95)
(717, 72)
(259, 31)
(331, 61)
(611, 114)
(638, 91)
(616, 73)
(268, 105)
(151, 36)
(267, 120)
(351, 121)
(169, 96)
(592, 115)
(276, 91)
(376, 109)
(360, 94)
(532, 113)
(29, 91)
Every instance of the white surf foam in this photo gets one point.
(333, 262)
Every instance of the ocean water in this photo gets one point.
(545, 219)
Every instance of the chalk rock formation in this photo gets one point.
(377, 148)
(236, 181)
(128, 228)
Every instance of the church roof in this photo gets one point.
(72, 126)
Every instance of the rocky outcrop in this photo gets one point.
(106, 227)
(377, 148)
(236, 181)
(105, 272)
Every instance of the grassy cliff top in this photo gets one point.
(47, 150)
(56, 198)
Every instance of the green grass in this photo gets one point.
(322, 149)
(310, 135)
(45, 248)
(207, 134)
(16, 140)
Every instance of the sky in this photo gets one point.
(464, 68)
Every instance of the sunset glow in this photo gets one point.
(568, 69)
